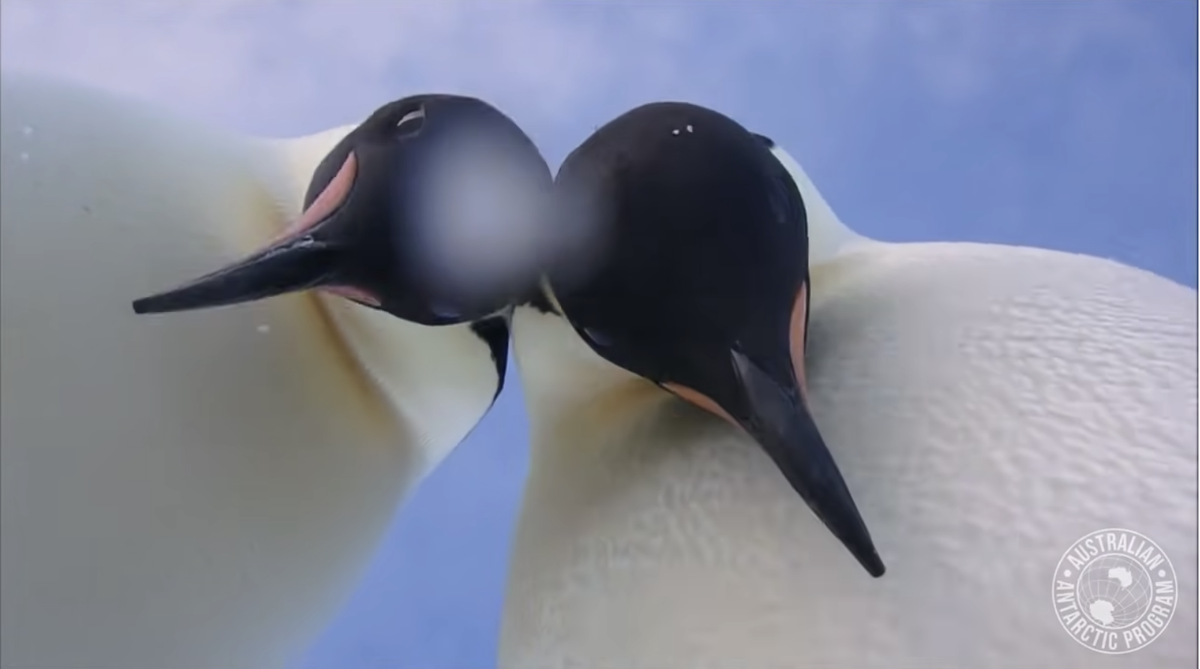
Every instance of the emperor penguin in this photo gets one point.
(741, 411)
(203, 489)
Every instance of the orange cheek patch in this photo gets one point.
(352, 293)
(799, 325)
(329, 199)
(796, 342)
(701, 400)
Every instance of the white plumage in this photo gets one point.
(192, 490)
(988, 405)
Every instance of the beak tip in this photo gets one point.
(873, 564)
(152, 304)
(858, 541)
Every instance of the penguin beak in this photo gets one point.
(302, 257)
(776, 416)
(289, 266)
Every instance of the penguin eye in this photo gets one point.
(411, 123)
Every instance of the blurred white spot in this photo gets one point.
(24, 156)
(485, 223)
(689, 128)
(27, 130)
(675, 131)
(263, 329)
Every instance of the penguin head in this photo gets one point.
(702, 284)
(377, 212)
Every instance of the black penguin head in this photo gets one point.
(372, 208)
(702, 286)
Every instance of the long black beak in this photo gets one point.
(780, 422)
(305, 257)
(287, 266)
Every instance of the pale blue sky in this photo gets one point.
(1065, 124)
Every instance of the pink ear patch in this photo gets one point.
(799, 323)
(329, 199)
(796, 337)
(701, 400)
(352, 293)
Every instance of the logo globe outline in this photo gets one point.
(1166, 566)
(1086, 611)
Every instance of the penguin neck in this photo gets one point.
(828, 236)
(633, 498)
(572, 395)
(435, 381)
